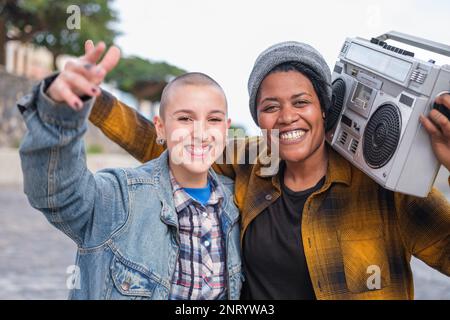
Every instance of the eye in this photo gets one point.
(301, 103)
(184, 119)
(215, 120)
(270, 109)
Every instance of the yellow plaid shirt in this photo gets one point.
(351, 228)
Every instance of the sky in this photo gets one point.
(223, 38)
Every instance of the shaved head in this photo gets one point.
(187, 79)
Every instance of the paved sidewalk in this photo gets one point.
(34, 256)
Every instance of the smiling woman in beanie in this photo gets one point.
(317, 228)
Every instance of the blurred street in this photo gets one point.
(34, 256)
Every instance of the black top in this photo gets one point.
(273, 256)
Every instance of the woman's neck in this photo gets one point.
(305, 174)
(187, 179)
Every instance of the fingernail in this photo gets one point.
(78, 105)
(94, 90)
(100, 71)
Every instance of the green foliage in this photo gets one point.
(133, 70)
(43, 22)
(94, 149)
(236, 131)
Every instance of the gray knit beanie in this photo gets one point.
(290, 51)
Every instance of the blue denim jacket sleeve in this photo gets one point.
(87, 207)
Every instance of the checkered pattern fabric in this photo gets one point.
(200, 270)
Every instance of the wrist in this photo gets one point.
(59, 113)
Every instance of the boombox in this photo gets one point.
(379, 92)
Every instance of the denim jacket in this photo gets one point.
(123, 220)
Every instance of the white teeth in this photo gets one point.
(291, 135)
(198, 151)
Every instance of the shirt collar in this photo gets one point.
(182, 199)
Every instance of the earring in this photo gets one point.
(160, 141)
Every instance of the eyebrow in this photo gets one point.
(217, 111)
(295, 96)
(300, 94)
(192, 112)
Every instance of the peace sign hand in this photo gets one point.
(83, 75)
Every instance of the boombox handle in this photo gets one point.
(417, 42)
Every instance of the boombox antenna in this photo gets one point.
(421, 43)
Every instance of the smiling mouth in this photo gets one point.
(293, 136)
(198, 152)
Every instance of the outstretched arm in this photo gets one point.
(126, 127)
(85, 206)
(57, 182)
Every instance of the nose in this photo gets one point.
(200, 131)
(288, 115)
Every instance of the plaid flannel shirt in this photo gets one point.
(352, 228)
(200, 270)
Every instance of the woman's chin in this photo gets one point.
(197, 167)
(294, 153)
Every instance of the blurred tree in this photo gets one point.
(47, 23)
(142, 78)
(237, 131)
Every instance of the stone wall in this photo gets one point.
(12, 126)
